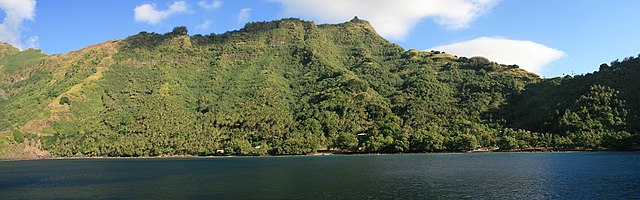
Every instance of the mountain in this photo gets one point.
(293, 87)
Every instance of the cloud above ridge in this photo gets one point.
(149, 14)
(17, 12)
(392, 18)
(529, 55)
(204, 25)
(244, 15)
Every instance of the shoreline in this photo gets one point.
(323, 153)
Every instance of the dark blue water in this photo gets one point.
(597, 175)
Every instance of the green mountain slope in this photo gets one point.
(282, 87)
(599, 109)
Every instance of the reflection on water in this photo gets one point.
(604, 175)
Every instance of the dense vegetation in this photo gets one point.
(294, 87)
(599, 109)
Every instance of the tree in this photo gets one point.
(507, 143)
(594, 114)
(65, 100)
(179, 30)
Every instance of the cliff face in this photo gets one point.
(282, 87)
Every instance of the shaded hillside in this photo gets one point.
(282, 87)
(593, 110)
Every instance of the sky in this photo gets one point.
(549, 37)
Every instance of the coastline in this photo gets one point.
(324, 153)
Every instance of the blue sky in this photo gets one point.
(549, 37)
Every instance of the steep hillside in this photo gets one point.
(282, 87)
(599, 109)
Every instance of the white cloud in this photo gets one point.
(528, 55)
(33, 42)
(16, 12)
(244, 15)
(210, 6)
(392, 18)
(149, 14)
(205, 25)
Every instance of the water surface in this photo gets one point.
(584, 175)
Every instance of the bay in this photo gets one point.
(569, 175)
